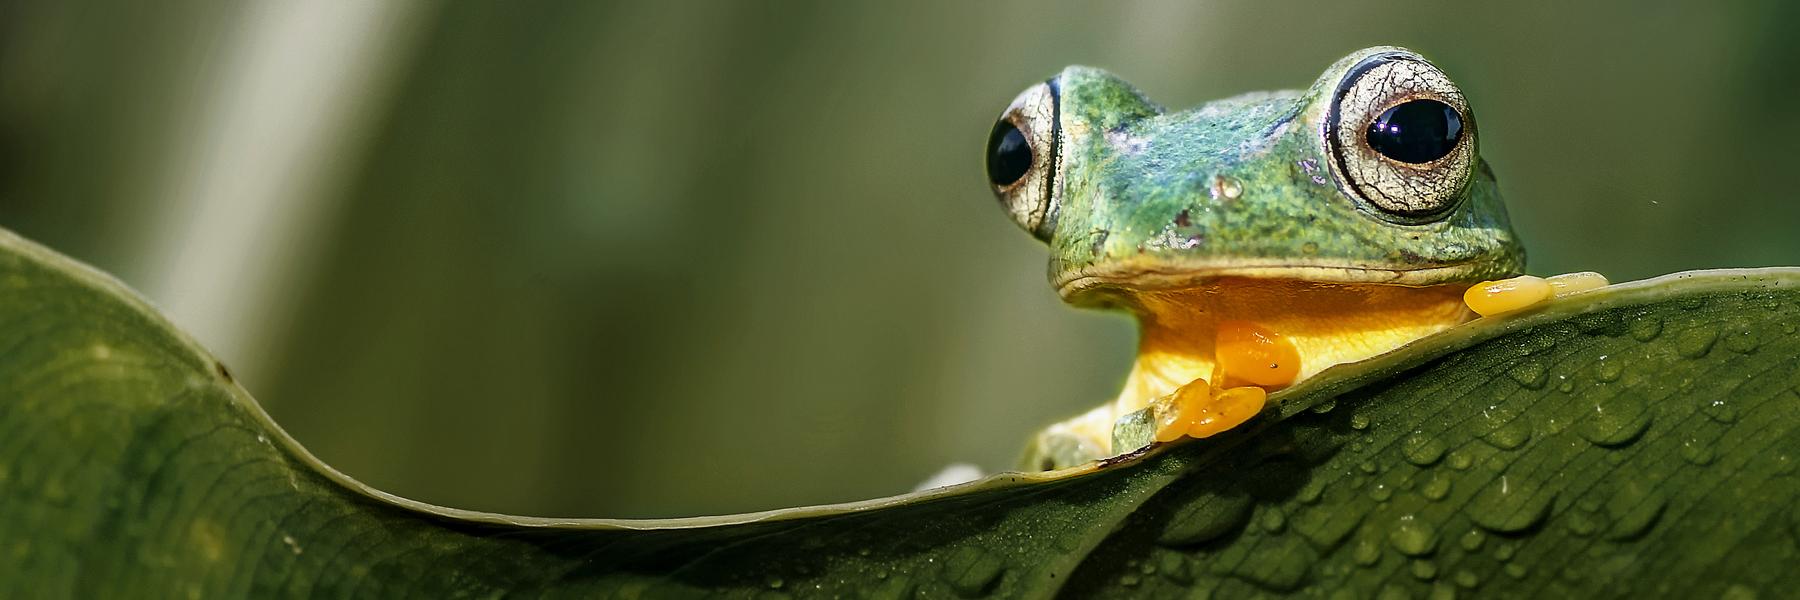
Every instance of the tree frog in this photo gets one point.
(1258, 239)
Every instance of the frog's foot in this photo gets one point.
(1196, 410)
(1490, 298)
(1251, 361)
(1247, 353)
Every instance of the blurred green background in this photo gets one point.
(663, 259)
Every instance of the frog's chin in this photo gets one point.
(1098, 282)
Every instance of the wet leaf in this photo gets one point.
(1599, 446)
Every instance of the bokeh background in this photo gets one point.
(672, 258)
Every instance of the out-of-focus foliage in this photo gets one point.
(672, 258)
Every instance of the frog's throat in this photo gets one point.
(1128, 279)
(1328, 323)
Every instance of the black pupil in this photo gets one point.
(1417, 131)
(1009, 155)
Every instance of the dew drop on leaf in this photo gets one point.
(1530, 374)
(1472, 540)
(1696, 452)
(1422, 449)
(1423, 569)
(1742, 341)
(1366, 553)
(1509, 505)
(1721, 411)
(1607, 368)
(971, 571)
(1696, 342)
(1634, 509)
(1413, 537)
(1466, 579)
(1435, 488)
(1205, 518)
(1615, 421)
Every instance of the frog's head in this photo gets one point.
(1370, 176)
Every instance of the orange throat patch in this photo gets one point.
(1326, 323)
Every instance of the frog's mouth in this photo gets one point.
(1109, 283)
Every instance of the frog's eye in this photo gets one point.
(1022, 158)
(1401, 136)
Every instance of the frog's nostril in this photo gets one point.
(1416, 132)
(1009, 154)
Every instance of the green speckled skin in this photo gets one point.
(1147, 200)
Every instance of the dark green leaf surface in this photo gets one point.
(1641, 440)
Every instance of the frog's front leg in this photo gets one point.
(1248, 361)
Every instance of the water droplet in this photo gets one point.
(1128, 580)
(1175, 568)
(1205, 519)
(1466, 579)
(1615, 421)
(1380, 492)
(774, 583)
(1496, 463)
(1505, 552)
(1608, 368)
(1721, 411)
(1421, 449)
(1582, 523)
(1325, 407)
(1359, 422)
(1472, 540)
(1529, 373)
(1742, 341)
(1393, 591)
(1282, 569)
(1311, 492)
(1645, 328)
(1567, 385)
(1325, 528)
(1366, 553)
(972, 570)
(1696, 452)
(1226, 188)
(1435, 488)
(1368, 467)
(1696, 342)
(1634, 508)
(1461, 460)
(1273, 519)
(1510, 436)
(1509, 505)
(1504, 426)
(1516, 571)
(1413, 537)
(1423, 569)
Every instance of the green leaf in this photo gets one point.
(1639, 440)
